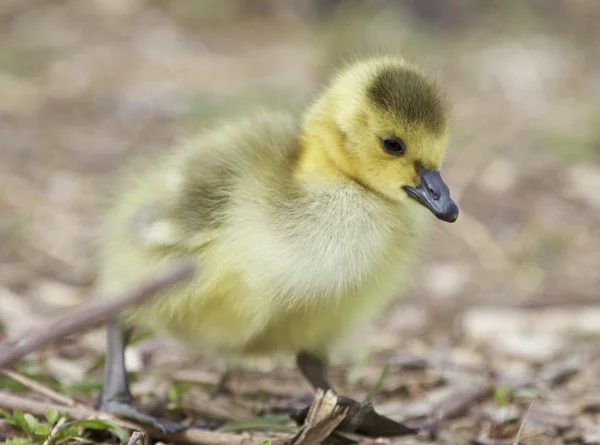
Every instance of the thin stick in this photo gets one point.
(135, 437)
(518, 438)
(50, 439)
(38, 387)
(94, 313)
(193, 436)
(39, 408)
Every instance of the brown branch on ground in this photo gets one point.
(94, 313)
(135, 437)
(192, 436)
(36, 407)
(38, 387)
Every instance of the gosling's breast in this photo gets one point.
(328, 245)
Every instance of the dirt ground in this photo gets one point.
(505, 302)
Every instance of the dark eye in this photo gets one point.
(394, 146)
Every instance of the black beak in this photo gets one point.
(433, 193)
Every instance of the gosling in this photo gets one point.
(301, 226)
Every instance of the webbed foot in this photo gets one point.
(363, 419)
(125, 410)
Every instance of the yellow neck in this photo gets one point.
(322, 149)
(323, 155)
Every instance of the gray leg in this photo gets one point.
(315, 369)
(115, 397)
(361, 417)
(116, 386)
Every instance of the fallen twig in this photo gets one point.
(38, 387)
(52, 436)
(193, 436)
(39, 408)
(522, 427)
(93, 314)
(135, 437)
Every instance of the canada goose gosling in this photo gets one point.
(301, 228)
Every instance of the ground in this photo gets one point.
(505, 301)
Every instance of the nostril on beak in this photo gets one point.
(434, 194)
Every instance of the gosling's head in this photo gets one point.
(388, 130)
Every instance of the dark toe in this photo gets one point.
(166, 426)
(376, 425)
(356, 414)
(125, 410)
(299, 415)
(362, 418)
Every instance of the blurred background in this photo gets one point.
(86, 85)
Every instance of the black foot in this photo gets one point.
(363, 419)
(123, 409)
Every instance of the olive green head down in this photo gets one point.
(383, 123)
